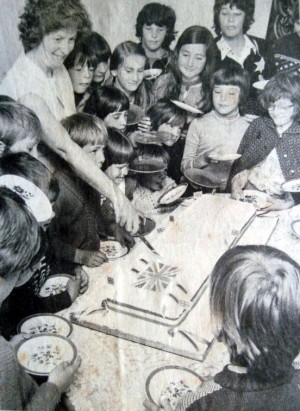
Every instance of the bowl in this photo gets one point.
(199, 178)
(173, 194)
(45, 324)
(55, 284)
(40, 354)
(171, 381)
(113, 249)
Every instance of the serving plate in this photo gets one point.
(173, 194)
(187, 107)
(171, 382)
(45, 324)
(291, 186)
(40, 354)
(55, 284)
(113, 249)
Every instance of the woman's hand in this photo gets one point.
(63, 374)
(238, 183)
(126, 215)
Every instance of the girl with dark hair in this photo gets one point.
(232, 20)
(190, 69)
(155, 28)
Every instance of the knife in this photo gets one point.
(147, 244)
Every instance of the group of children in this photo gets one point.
(144, 157)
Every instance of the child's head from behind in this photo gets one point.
(195, 54)
(89, 132)
(127, 65)
(155, 26)
(20, 241)
(111, 105)
(281, 97)
(118, 154)
(153, 160)
(230, 88)
(165, 115)
(255, 307)
(102, 53)
(20, 129)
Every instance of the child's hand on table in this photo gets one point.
(63, 374)
(121, 235)
(83, 279)
(90, 258)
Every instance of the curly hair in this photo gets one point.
(41, 17)
(160, 15)
(247, 6)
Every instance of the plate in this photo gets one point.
(173, 194)
(161, 378)
(152, 74)
(55, 284)
(224, 157)
(260, 85)
(147, 138)
(147, 227)
(296, 227)
(257, 198)
(45, 323)
(291, 186)
(113, 249)
(135, 115)
(187, 107)
(199, 179)
(42, 353)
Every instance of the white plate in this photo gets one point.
(187, 107)
(54, 285)
(224, 157)
(291, 186)
(173, 194)
(45, 324)
(260, 85)
(296, 227)
(161, 378)
(152, 74)
(42, 353)
(257, 198)
(113, 249)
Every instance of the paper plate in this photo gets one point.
(159, 383)
(224, 157)
(45, 324)
(257, 198)
(113, 249)
(173, 194)
(152, 74)
(54, 285)
(291, 186)
(198, 178)
(146, 227)
(148, 138)
(135, 114)
(187, 107)
(260, 85)
(42, 353)
(296, 227)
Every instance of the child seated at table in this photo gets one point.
(109, 104)
(255, 307)
(76, 228)
(150, 176)
(20, 243)
(20, 129)
(218, 133)
(270, 146)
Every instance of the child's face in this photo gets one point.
(153, 37)
(95, 152)
(100, 71)
(282, 112)
(154, 181)
(26, 145)
(191, 61)
(117, 119)
(130, 74)
(226, 99)
(117, 172)
(81, 77)
(231, 21)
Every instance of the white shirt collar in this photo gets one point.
(226, 50)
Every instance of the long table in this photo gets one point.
(115, 366)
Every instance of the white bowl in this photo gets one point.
(45, 324)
